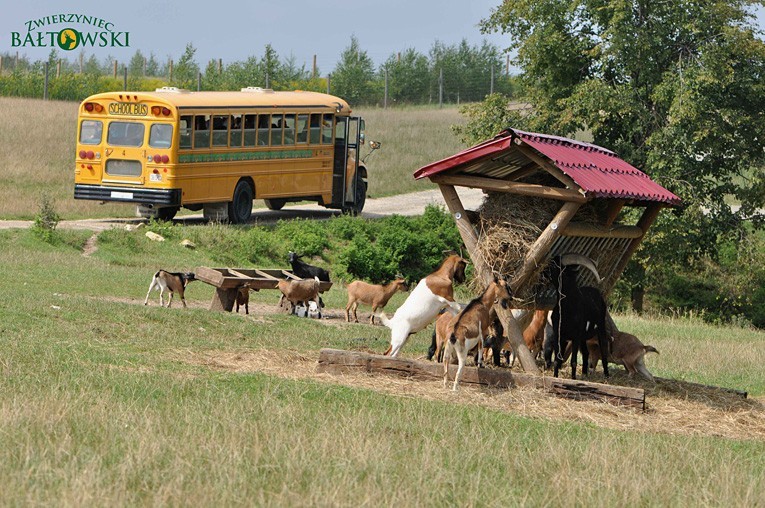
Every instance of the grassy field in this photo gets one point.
(44, 162)
(106, 402)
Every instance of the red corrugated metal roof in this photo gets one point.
(599, 172)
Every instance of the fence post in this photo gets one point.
(313, 74)
(115, 69)
(45, 85)
(267, 81)
(440, 88)
(199, 81)
(1, 64)
(81, 63)
(328, 78)
(58, 69)
(385, 99)
(124, 78)
(491, 86)
(220, 66)
(170, 78)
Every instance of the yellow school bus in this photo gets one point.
(217, 151)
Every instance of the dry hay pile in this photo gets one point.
(509, 225)
(673, 407)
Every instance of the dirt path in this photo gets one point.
(402, 204)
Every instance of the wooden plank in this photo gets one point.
(524, 189)
(236, 273)
(470, 238)
(209, 275)
(290, 275)
(335, 361)
(223, 299)
(649, 216)
(265, 275)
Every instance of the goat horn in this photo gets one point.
(579, 259)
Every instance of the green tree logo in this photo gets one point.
(68, 39)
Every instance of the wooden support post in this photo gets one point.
(544, 243)
(648, 218)
(335, 361)
(224, 299)
(470, 238)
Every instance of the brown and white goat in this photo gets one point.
(624, 349)
(432, 294)
(172, 282)
(243, 297)
(375, 295)
(300, 292)
(471, 325)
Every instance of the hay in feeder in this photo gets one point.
(509, 225)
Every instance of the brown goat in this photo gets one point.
(471, 325)
(172, 282)
(375, 295)
(625, 349)
(243, 297)
(299, 292)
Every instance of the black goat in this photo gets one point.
(306, 271)
(579, 313)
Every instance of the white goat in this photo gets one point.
(433, 293)
(172, 282)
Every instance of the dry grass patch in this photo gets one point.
(673, 407)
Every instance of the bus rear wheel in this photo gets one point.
(240, 207)
(275, 204)
(167, 212)
(159, 213)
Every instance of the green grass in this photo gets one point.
(98, 406)
(38, 140)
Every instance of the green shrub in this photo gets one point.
(46, 220)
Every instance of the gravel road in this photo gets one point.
(402, 204)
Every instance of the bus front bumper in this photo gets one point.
(164, 197)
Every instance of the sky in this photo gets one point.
(236, 29)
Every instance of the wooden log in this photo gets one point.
(335, 361)
(223, 299)
(524, 189)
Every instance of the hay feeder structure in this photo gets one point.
(547, 195)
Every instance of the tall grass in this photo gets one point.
(37, 143)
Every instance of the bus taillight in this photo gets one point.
(161, 159)
(92, 106)
(83, 154)
(166, 111)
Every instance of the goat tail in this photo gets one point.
(453, 338)
(383, 318)
(651, 349)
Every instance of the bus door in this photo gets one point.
(346, 163)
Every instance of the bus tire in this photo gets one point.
(167, 212)
(361, 198)
(240, 207)
(275, 204)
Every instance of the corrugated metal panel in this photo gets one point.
(598, 171)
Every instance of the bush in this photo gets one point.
(46, 220)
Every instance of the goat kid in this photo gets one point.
(433, 293)
(243, 297)
(375, 295)
(172, 282)
(579, 313)
(468, 328)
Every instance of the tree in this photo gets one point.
(676, 88)
(353, 77)
(407, 77)
(152, 66)
(186, 70)
(137, 64)
(466, 70)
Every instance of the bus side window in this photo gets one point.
(326, 129)
(202, 131)
(315, 128)
(186, 131)
(235, 122)
(289, 129)
(220, 130)
(277, 130)
(264, 124)
(249, 130)
(302, 129)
